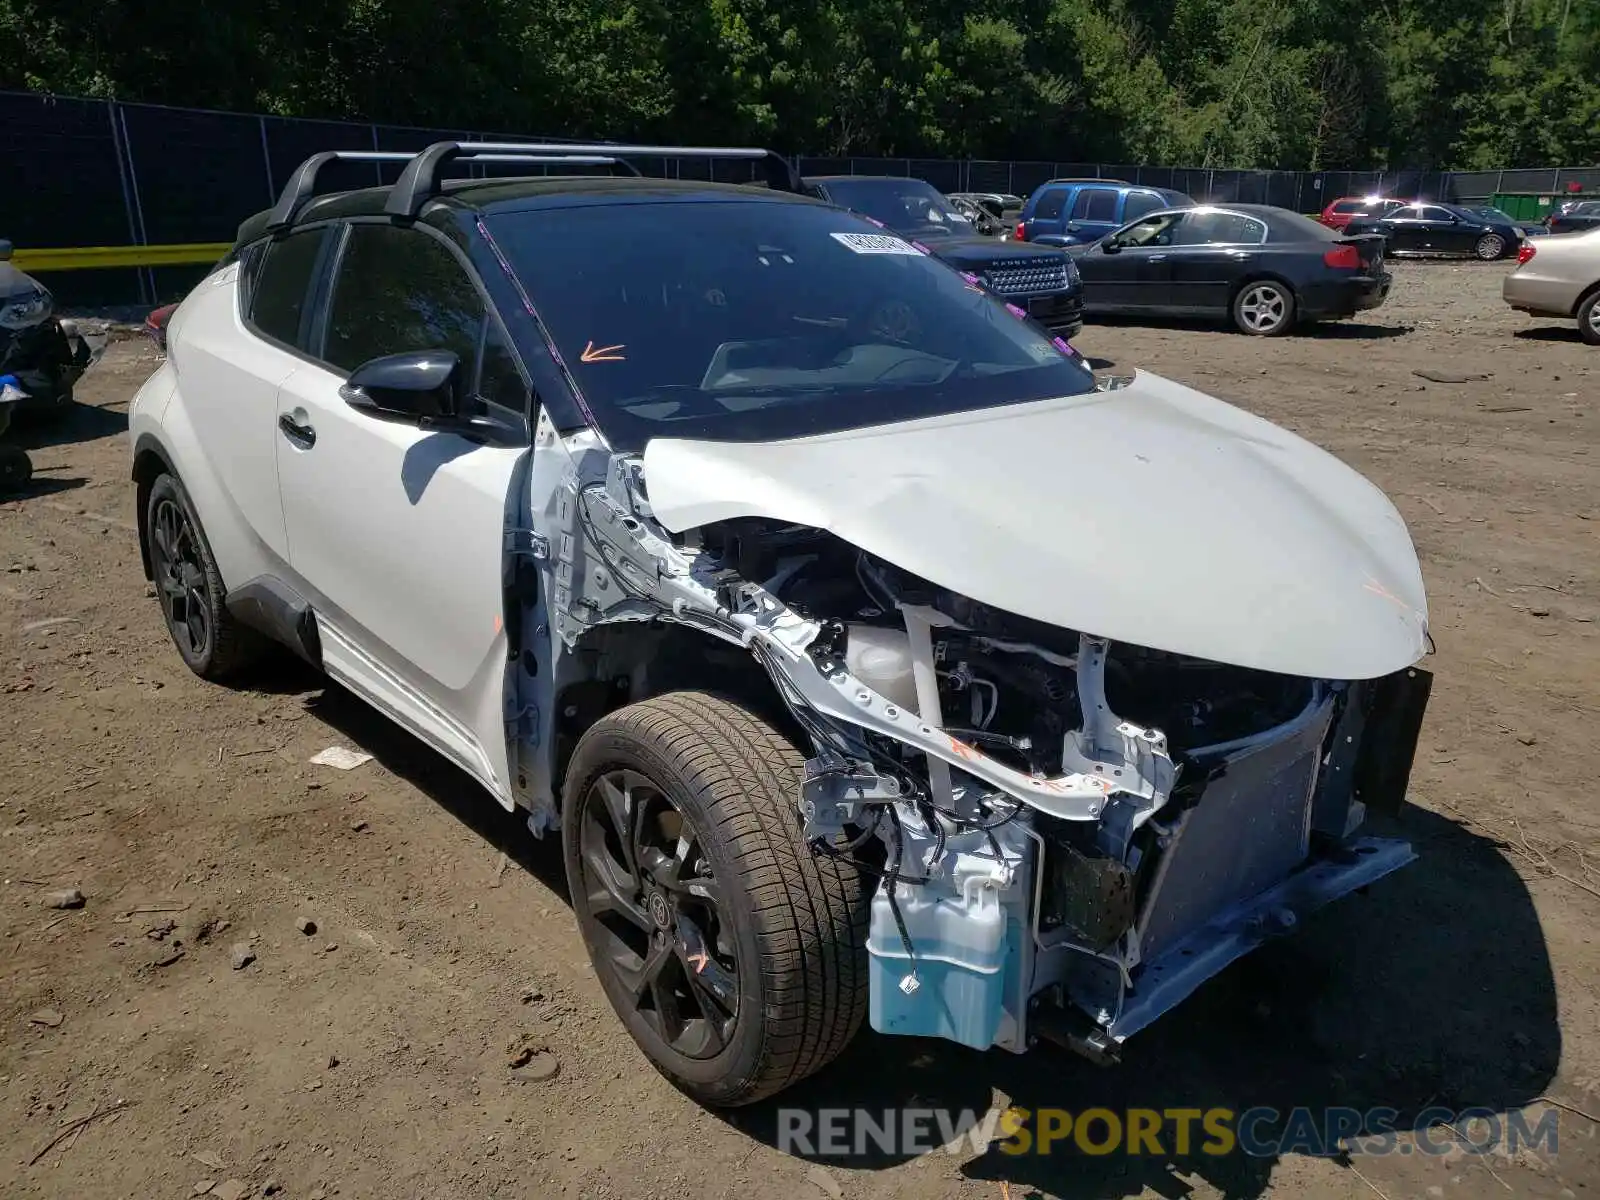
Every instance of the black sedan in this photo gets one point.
(1579, 217)
(1040, 279)
(1428, 227)
(1266, 269)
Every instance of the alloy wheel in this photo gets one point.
(1263, 307)
(1490, 247)
(181, 578)
(656, 913)
(1594, 319)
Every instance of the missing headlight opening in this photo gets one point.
(1069, 834)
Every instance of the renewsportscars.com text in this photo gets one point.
(1261, 1132)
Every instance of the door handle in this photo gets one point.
(303, 436)
(1157, 258)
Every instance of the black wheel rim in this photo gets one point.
(181, 578)
(655, 913)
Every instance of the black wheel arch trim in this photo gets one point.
(147, 450)
(273, 608)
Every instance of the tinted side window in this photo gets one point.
(1095, 204)
(1432, 212)
(1139, 203)
(1409, 212)
(401, 289)
(280, 283)
(1219, 229)
(1347, 206)
(1051, 202)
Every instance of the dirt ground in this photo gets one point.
(373, 1057)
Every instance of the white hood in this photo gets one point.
(1152, 514)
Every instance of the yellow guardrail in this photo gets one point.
(87, 258)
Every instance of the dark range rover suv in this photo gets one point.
(1043, 280)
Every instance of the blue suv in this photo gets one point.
(1073, 212)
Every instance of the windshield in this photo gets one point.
(908, 206)
(754, 320)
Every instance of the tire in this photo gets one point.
(1490, 247)
(189, 587)
(16, 469)
(771, 962)
(1264, 308)
(1589, 318)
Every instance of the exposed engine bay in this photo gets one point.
(1071, 834)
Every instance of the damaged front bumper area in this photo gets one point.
(1072, 834)
(46, 358)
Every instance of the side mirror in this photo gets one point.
(415, 385)
(1109, 246)
(5, 250)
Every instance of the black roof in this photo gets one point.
(422, 185)
(514, 195)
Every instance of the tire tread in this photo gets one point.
(808, 910)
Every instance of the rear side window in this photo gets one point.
(1219, 229)
(1051, 202)
(1095, 204)
(1139, 203)
(402, 289)
(281, 283)
(1348, 206)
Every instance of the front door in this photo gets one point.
(398, 535)
(1407, 230)
(1128, 270)
(1446, 233)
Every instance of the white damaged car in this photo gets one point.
(873, 660)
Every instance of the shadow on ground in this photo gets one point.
(1551, 333)
(1433, 989)
(44, 485)
(451, 788)
(40, 429)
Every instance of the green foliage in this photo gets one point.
(1320, 84)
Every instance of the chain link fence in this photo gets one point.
(102, 173)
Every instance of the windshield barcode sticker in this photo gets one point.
(875, 243)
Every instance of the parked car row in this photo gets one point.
(1264, 269)
(1105, 247)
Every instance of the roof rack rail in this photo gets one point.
(303, 182)
(419, 181)
(1086, 179)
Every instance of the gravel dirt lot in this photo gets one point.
(373, 1057)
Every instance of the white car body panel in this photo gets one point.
(396, 536)
(1150, 514)
(228, 385)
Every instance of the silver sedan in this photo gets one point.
(1559, 276)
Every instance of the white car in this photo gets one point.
(872, 658)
